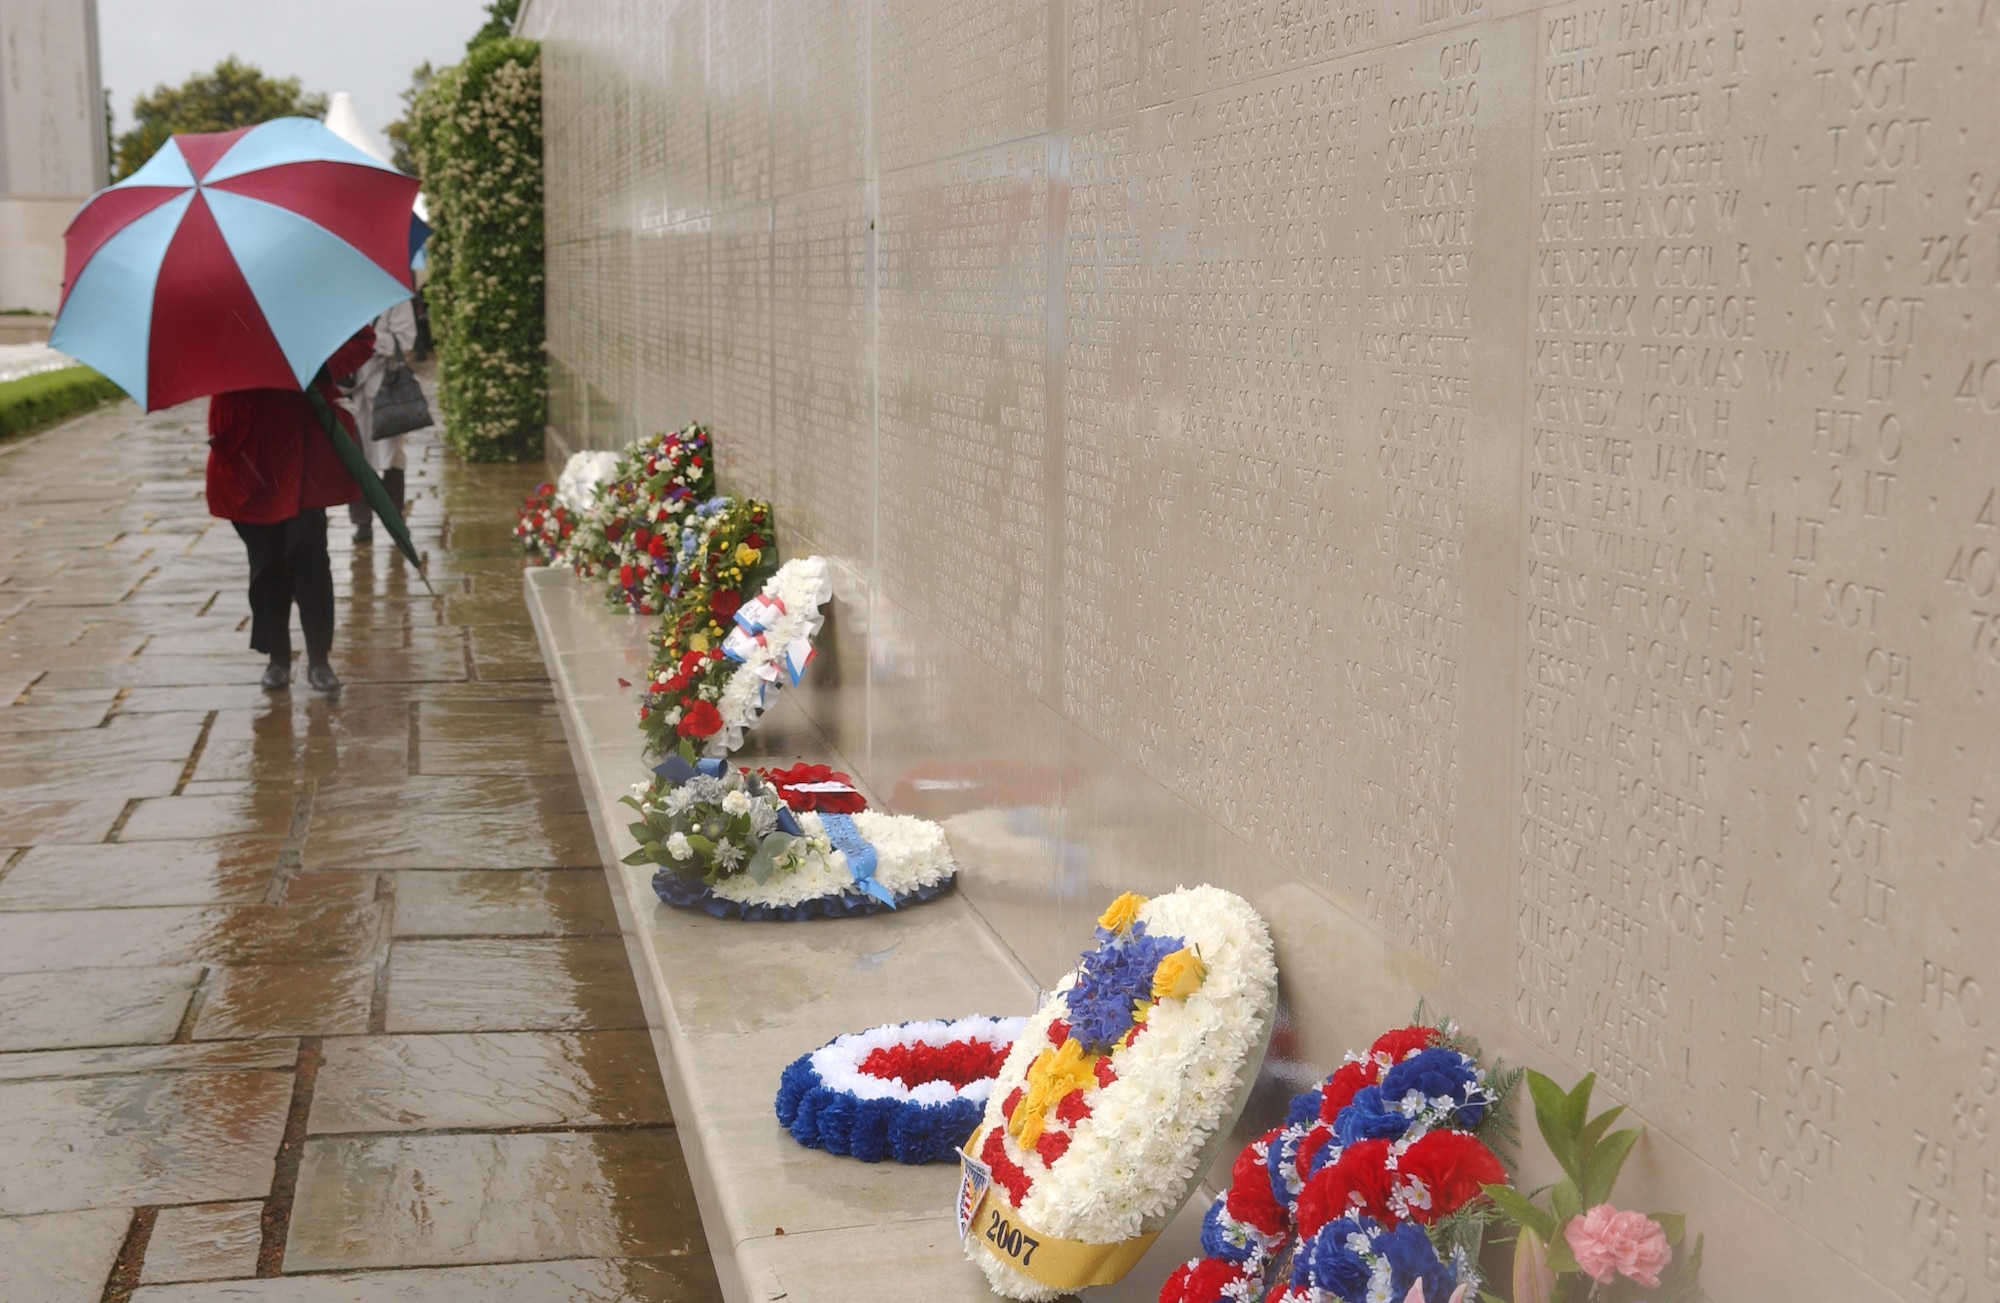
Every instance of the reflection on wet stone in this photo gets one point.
(95, 1006)
(204, 1242)
(393, 1201)
(108, 876)
(668, 1280)
(503, 903)
(179, 1138)
(307, 999)
(507, 985)
(488, 1080)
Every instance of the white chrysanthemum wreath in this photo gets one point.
(772, 642)
(1113, 1100)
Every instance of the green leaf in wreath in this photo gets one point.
(765, 862)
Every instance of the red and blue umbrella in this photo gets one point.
(234, 260)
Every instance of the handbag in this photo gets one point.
(399, 404)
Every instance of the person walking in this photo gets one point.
(395, 330)
(272, 473)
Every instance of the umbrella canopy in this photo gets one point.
(234, 260)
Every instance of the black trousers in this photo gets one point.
(288, 564)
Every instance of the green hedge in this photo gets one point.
(46, 397)
(476, 134)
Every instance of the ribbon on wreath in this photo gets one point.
(847, 839)
(985, 1215)
(677, 771)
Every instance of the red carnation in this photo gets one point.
(1106, 1074)
(1073, 1109)
(1452, 1165)
(1058, 1031)
(625, 576)
(1201, 1282)
(1342, 1086)
(658, 547)
(1399, 1043)
(1012, 1102)
(690, 662)
(722, 604)
(613, 531)
(1250, 1199)
(701, 720)
(1052, 1146)
(642, 537)
(754, 539)
(1357, 1180)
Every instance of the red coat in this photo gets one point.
(268, 457)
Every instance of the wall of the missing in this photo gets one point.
(1509, 488)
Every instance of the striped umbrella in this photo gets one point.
(238, 260)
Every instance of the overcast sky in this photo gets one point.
(364, 47)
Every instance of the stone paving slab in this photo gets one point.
(487, 1080)
(225, 913)
(397, 1201)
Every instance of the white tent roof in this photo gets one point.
(343, 121)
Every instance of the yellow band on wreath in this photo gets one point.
(1057, 1263)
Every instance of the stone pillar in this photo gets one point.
(52, 140)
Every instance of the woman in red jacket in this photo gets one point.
(273, 473)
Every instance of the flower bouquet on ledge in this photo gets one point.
(1372, 1188)
(711, 697)
(726, 843)
(726, 553)
(631, 535)
(542, 526)
(1577, 1247)
(1117, 1093)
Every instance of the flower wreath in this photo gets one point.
(771, 641)
(1115, 1095)
(726, 554)
(630, 535)
(542, 525)
(726, 844)
(1366, 1166)
(909, 1091)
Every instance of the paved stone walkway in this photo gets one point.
(290, 986)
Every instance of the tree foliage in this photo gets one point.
(400, 152)
(233, 94)
(499, 25)
(476, 136)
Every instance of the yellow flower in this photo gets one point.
(1123, 912)
(746, 555)
(1053, 1076)
(699, 642)
(1179, 975)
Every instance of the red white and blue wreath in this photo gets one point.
(731, 843)
(909, 1091)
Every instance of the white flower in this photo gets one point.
(737, 802)
(677, 846)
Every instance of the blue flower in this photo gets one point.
(1305, 1109)
(1434, 1073)
(1368, 1117)
(1110, 981)
(1215, 1241)
(1331, 1263)
(1412, 1258)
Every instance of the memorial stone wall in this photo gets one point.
(1512, 489)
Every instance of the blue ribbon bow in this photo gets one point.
(846, 839)
(677, 771)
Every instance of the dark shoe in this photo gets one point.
(321, 677)
(277, 676)
(364, 534)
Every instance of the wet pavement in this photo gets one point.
(303, 999)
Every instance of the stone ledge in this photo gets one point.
(730, 1004)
